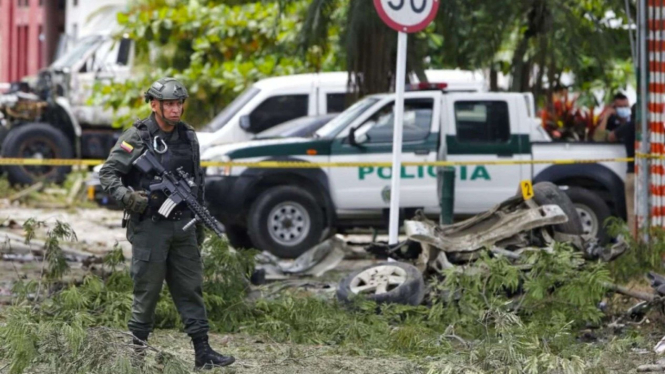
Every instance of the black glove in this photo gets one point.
(200, 234)
(135, 201)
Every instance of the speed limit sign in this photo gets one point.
(407, 15)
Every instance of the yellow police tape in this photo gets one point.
(309, 165)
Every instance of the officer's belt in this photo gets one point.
(176, 215)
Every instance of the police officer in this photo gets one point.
(161, 250)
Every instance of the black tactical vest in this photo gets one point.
(182, 152)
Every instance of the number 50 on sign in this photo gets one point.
(407, 15)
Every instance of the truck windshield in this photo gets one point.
(76, 54)
(340, 122)
(225, 115)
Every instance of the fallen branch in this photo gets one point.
(629, 292)
(75, 190)
(36, 247)
(647, 368)
(21, 194)
(453, 336)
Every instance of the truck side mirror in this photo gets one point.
(244, 122)
(357, 139)
(361, 138)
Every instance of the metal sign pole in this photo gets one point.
(397, 138)
(643, 195)
(404, 19)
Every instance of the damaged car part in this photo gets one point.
(510, 228)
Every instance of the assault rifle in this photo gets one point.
(178, 188)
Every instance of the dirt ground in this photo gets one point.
(97, 230)
(256, 355)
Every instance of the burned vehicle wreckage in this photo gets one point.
(48, 116)
(511, 228)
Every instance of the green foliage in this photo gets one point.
(57, 266)
(226, 273)
(216, 50)
(559, 288)
(640, 257)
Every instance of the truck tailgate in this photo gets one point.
(580, 151)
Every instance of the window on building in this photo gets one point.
(482, 121)
(417, 122)
(278, 109)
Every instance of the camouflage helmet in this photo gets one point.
(166, 89)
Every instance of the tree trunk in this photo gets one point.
(542, 61)
(518, 65)
(494, 79)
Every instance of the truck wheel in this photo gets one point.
(237, 236)
(285, 221)
(36, 140)
(545, 193)
(593, 212)
(387, 282)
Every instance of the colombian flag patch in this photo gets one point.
(127, 147)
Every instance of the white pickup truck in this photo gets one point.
(288, 210)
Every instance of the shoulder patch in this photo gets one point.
(127, 147)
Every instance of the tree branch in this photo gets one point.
(629, 292)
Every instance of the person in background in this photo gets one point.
(616, 115)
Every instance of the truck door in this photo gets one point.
(368, 187)
(483, 127)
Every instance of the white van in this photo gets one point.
(272, 101)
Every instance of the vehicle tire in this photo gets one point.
(385, 282)
(545, 193)
(285, 221)
(36, 140)
(593, 212)
(238, 237)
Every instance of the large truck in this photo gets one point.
(47, 116)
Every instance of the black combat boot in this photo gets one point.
(206, 358)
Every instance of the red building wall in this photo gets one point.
(29, 31)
